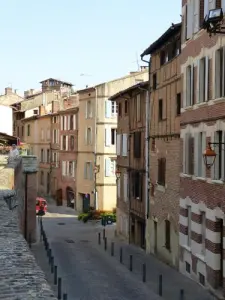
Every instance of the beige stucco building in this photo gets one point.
(96, 164)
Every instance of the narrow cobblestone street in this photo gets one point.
(89, 272)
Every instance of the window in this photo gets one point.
(42, 178)
(42, 134)
(162, 171)
(138, 107)
(22, 130)
(63, 168)
(189, 226)
(203, 79)
(154, 81)
(178, 106)
(89, 136)
(188, 154)
(120, 109)
(118, 144)
(28, 130)
(18, 131)
(88, 171)
(189, 86)
(160, 109)
(137, 185)
(71, 142)
(137, 144)
(219, 73)
(110, 167)
(201, 279)
(54, 136)
(42, 155)
(89, 109)
(167, 234)
(153, 145)
(70, 168)
(188, 267)
(48, 156)
(162, 57)
(48, 134)
(64, 142)
(114, 108)
(126, 106)
(54, 119)
(71, 122)
(203, 219)
(55, 159)
(113, 136)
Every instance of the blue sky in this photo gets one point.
(63, 39)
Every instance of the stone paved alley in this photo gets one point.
(89, 272)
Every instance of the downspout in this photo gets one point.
(95, 150)
(25, 209)
(147, 144)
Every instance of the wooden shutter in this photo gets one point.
(206, 7)
(190, 20)
(190, 154)
(212, 4)
(124, 146)
(196, 146)
(125, 189)
(137, 144)
(198, 82)
(118, 144)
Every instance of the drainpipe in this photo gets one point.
(95, 150)
(25, 209)
(147, 144)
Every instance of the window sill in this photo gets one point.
(184, 175)
(200, 257)
(214, 181)
(186, 247)
(199, 178)
(161, 188)
(218, 100)
(190, 107)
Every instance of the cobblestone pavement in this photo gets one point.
(89, 272)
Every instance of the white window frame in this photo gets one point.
(114, 109)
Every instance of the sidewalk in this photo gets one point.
(173, 281)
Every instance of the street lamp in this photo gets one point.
(118, 174)
(213, 21)
(209, 156)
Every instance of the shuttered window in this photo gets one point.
(137, 185)
(137, 144)
(161, 171)
(167, 234)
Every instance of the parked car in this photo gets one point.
(41, 206)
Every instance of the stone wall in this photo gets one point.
(20, 276)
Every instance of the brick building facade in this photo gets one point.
(68, 133)
(162, 230)
(202, 206)
(131, 163)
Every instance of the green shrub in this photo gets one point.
(85, 218)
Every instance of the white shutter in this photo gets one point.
(217, 74)
(85, 137)
(91, 171)
(213, 168)
(67, 168)
(108, 137)
(73, 169)
(61, 123)
(74, 122)
(65, 123)
(223, 156)
(206, 7)
(190, 20)
(203, 171)
(63, 168)
(118, 187)
(67, 143)
(206, 78)
(223, 5)
(86, 110)
(57, 136)
(196, 15)
(68, 123)
(212, 4)
(107, 167)
(184, 153)
(61, 144)
(196, 151)
(192, 85)
(85, 170)
(124, 146)
(118, 144)
(125, 187)
(198, 82)
(108, 109)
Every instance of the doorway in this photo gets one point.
(70, 197)
(86, 202)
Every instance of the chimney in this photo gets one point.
(143, 68)
(8, 91)
(41, 110)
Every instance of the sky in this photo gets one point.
(101, 39)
